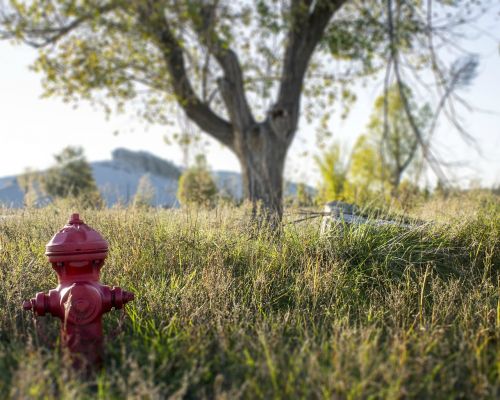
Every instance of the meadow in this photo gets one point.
(223, 311)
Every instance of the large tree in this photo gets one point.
(237, 68)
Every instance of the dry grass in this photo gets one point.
(224, 312)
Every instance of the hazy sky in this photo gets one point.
(33, 129)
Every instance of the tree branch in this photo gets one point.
(152, 18)
(231, 85)
(39, 37)
(306, 30)
(394, 58)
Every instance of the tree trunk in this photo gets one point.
(262, 157)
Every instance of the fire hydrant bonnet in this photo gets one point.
(76, 239)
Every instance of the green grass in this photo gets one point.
(224, 312)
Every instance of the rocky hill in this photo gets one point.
(117, 180)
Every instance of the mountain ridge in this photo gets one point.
(117, 180)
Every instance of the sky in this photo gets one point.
(33, 129)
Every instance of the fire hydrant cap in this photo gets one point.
(74, 238)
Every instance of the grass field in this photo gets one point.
(224, 312)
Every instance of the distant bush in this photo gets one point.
(197, 186)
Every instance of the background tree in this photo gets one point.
(145, 194)
(72, 177)
(197, 186)
(333, 170)
(380, 157)
(238, 69)
(365, 176)
(391, 131)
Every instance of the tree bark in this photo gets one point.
(262, 155)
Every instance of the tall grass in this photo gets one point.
(225, 312)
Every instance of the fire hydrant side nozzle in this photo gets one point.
(77, 253)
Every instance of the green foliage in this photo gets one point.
(380, 158)
(301, 198)
(333, 170)
(365, 172)
(72, 177)
(145, 194)
(358, 36)
(357, 180)
(197, 186)
(222, 312)
(107, 54)
(304, 198)
(388, 150)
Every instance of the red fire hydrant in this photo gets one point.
(77, 253)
